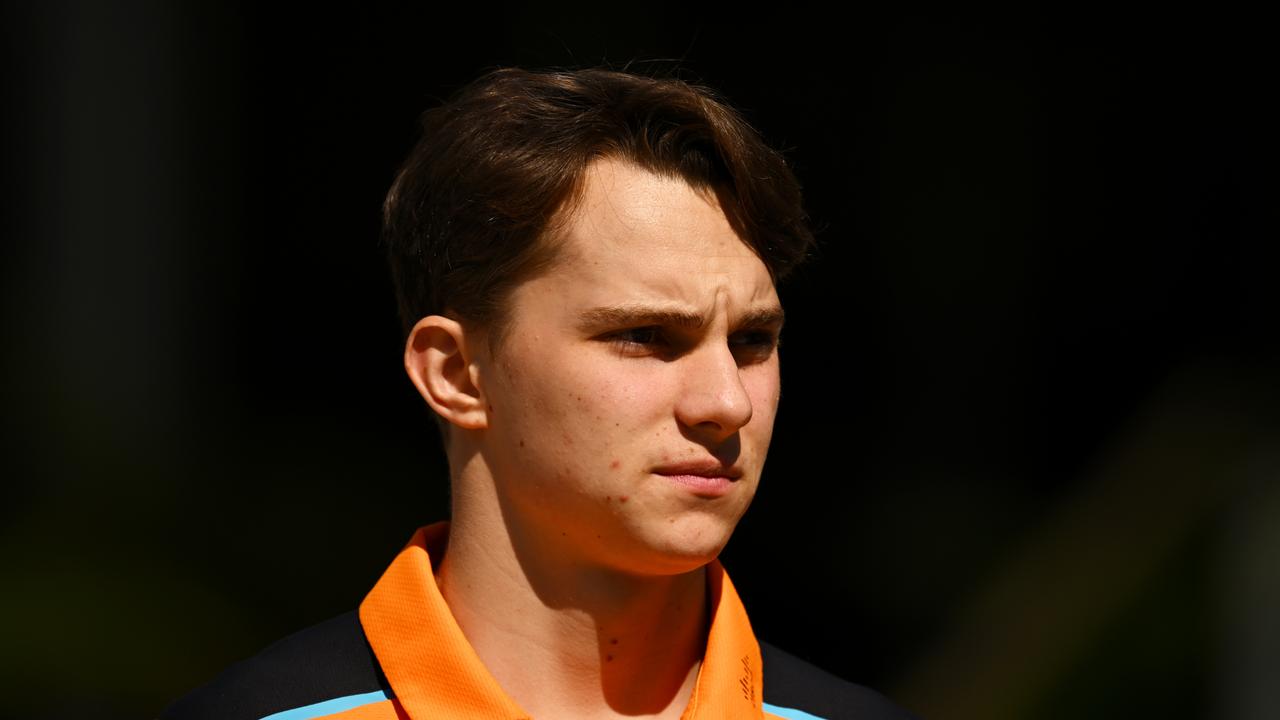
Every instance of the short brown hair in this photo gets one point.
(466, 218)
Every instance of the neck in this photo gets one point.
(565, 638)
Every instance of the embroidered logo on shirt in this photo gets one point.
(746, 681)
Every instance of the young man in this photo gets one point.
(586, 266)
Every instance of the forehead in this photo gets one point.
(633, 235)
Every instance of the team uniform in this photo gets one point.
(402, 656)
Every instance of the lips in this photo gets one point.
(701, 468)
(705, 478)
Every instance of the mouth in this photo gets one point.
(707, 478)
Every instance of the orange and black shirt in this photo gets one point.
(402, 656)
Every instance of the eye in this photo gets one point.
(643, 336)
(640, 341)
(751, 346)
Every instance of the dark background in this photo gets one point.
(1026, 464)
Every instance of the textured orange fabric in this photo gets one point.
(431, 667)
(729, 683)
(435, 673)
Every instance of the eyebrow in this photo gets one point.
(768, 316)
(643, 315)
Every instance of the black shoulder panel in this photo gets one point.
(323, 662)
(790, 682)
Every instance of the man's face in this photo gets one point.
(634, 394)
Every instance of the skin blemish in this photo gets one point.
(608, 658)
(521, 442)
(613, 641)
(615, 464)
(608, 498)
(622, 498)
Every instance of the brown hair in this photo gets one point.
(467, 217)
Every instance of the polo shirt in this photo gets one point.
(403, 656)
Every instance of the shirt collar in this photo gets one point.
(434, 672)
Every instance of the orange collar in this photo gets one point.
(434, 672)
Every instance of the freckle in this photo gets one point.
(608, 658)
(613, 641)
(490, 408)
(615, 464)
(522, 442)
(563, 534)
(622, 498)
(608, 498)
(597, 536)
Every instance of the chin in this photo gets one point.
(686, 545)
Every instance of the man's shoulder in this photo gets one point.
(796, 689)
(327, 663)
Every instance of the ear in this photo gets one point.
(439, 364)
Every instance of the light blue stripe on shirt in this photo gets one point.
(329, 707)
(789, 713)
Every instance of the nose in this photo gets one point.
(714, 403)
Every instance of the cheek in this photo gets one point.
(573, 404)
(621, 393)
(765, 391)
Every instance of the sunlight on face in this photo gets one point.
(635, 391)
